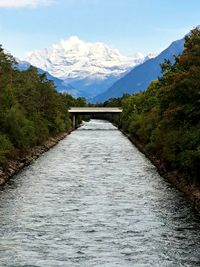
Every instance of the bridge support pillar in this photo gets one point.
(74, 122)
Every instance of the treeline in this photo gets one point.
(31, 110)
(165, 118)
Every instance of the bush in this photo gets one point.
(6, 149)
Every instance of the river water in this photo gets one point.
(95, 200)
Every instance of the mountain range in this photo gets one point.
(142, 75)
(96, 71)
(90, 68)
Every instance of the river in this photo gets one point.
(95, 200)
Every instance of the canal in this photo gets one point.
(95, 201)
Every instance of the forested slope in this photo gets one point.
(31, 110)
(165, 119)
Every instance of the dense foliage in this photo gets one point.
(31, 110)
(166, 117)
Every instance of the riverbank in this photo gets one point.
(15, 166)
(192, 192)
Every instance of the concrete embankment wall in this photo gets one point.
(192, 192)
(14, 166)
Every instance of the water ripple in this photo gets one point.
(95, 200)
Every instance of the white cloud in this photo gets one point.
(23, 3)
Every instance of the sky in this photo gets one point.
(129, 25)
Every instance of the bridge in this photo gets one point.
(91, 111)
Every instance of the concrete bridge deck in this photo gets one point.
(92, 110)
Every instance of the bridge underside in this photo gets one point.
(92, 111)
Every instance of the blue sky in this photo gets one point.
(129, 25)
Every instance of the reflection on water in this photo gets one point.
(95, 200)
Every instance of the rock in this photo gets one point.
(1, 173)
(2, 181)
(15, 166)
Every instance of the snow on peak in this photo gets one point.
(151, 55)
(75, 59)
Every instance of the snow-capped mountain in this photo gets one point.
(74, 58)
(90, 67)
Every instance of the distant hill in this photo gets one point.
(141, 76)
(59, 84)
